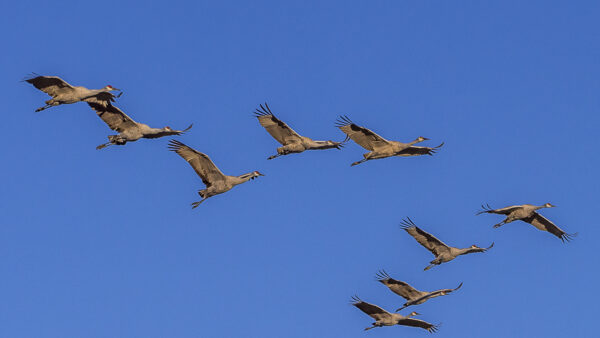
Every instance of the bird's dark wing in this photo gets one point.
(425, 239)
(201, 163)
(398, 287)
(114, 117)
(51, 85)
(418, 151)
(361, 135)
(418, 323)
(277, 128)
(103, 98)
(374, 311)
(545, 224)
(168, 132)
(503, 211)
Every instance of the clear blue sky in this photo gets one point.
(105, 244)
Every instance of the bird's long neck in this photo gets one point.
(242, 178)
(417, 140)
(464, 251)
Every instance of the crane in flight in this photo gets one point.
(64, 93)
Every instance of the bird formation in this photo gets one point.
(101, 101)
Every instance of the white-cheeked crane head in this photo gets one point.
(167, 128)
(421, 139)
(548, 205)
(255, 174)
(414, 313)
(110, 88)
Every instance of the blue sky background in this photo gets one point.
(105, 244)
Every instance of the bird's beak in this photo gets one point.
(260, 174)
(425, 138)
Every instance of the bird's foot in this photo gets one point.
(103, 146)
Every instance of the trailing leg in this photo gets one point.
(196, 204)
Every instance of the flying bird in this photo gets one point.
(379, 147)
(128, 129)
(216, 182)
(442, 252)
(384, 318)
(527, 213)
(289, 139)
(412, 295)
(64, 93)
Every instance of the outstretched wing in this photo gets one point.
(361, 135)
(545, 224)
(277, 128)
(418, 151)
(503, 211)
(168, 132)
(418, 323)
(373, 311)
(114, 117)
(400, 288)
(427, 240)
(51, 85)
(201, 163)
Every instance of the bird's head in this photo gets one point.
(167, 128)
(421, 139)
(475, 247)
(548, 205)
(414, 313)
(256, 174)
(110, 88)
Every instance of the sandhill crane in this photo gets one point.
(63, 93)
(378, 146)
(129, 130)
(291, 141)
(216, 182)
(442, 252)
(527, 213)
(412, 295)
(384, 318)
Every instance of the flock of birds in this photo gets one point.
(101, 101)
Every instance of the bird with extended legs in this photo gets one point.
(64, 93)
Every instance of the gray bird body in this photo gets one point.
(64, 93)
(291, 141)
(216, 182)
(378, 146)
(129, 130)
(384, 318)
(528, 214)
(412, 295)
(442, 252)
